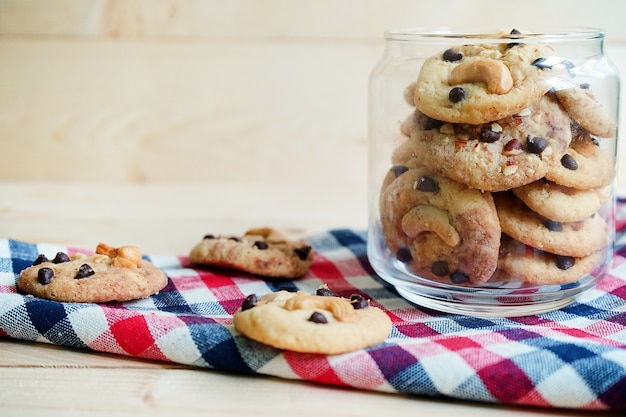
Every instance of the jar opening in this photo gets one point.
(469, 34)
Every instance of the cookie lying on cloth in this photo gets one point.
(111, 274)
(262, 251)
(302, 322)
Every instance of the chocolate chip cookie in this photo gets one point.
(495, 156)
(263, 251)
(480, 83)
(440, 229)
(303, 322)
(111, 274)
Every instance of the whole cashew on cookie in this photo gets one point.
(342, 309)
(124, 256)
(493, 73)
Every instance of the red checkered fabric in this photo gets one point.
(573, 358)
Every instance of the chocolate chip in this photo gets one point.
(565, 262)
(318, 317)
(440, 268)
(398, 170)
(404, 255)
(209, 237)
(488, 135)
(536, 144)
(84, 271)
(569, 162)
(457, 94)
(431, 124)
(459, 277)
(60, 258)
(303, 252)
(234, 238)
(324, 291)
(259, 244)
(541, 63)
(584, 86)
(549, 62)
(45, 275)
(427, 185)
(553, 226)
(514, 32)
(249, 302)
(358, 302)
(40, 259)
(451, 55)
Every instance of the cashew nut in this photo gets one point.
(340, 307)
(493, 73)
(124, 256)
(430, 219)
(269, 234)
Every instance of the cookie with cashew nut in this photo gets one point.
(494, 156)
(262, 251)
(481, 83)
(439, 228)
(110, 274)
(303, 322)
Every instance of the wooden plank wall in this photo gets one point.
(153, 91)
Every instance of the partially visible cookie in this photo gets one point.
(494, 156)
(525, 263)
(582, 106)
(481, 83)
(560, 203)
(263, 251)
(585, 165)
(111, 274)
(302, 322)
(577, 239)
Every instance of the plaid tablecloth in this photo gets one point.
(572, 358)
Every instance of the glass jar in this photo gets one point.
(491, 172)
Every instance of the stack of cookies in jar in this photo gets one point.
(500, 176)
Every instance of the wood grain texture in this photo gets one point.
(101, 390)
(171, 218)
(328, 19)
(153, 122)
(116, 112)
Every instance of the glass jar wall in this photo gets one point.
(492, 160)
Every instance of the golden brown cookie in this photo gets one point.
(495, 156)
(524, 263)
(580, 102)
(577, 239)
(480, 83)
(303, 322)
(111, 274)
(559, 203)
(438, 228)
(263, 251)
(585, 165)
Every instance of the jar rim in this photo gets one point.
(540, 34)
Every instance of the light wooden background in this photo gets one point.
(151, 122)
(142, 93)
